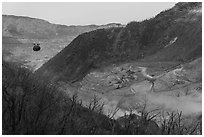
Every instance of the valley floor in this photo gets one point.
(125, 89)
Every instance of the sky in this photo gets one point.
(86, 13)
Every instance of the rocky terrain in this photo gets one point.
(126, 88)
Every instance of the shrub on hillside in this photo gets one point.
(32, 106)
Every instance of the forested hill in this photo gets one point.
(174, 34)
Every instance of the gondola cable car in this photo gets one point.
(36, 47)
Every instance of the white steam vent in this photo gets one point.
(171, 42)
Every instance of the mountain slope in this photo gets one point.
(19, 34)
(156, 39)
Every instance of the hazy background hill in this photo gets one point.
(173, 35)
(33, 28)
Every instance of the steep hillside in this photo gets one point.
(19, 34)
(173, 35)
(182, 40)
